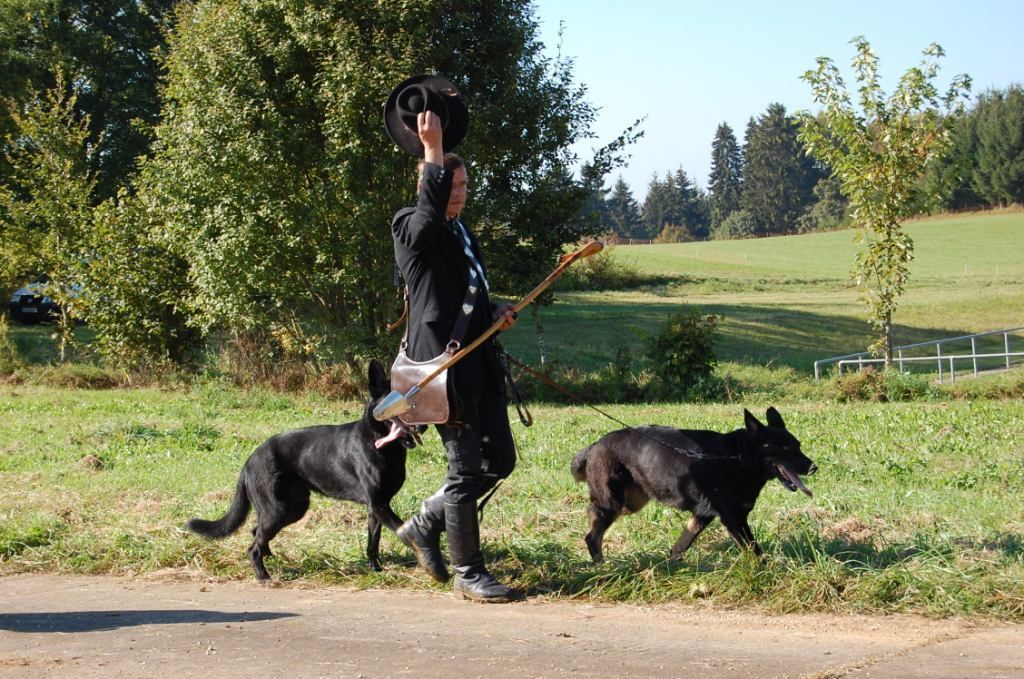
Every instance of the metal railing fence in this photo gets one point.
(940, 359)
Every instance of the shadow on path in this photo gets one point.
(97, 621)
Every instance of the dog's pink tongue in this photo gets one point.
(795, 480)
(393, 435)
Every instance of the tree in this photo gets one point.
(948, 181)
(46, 210)
(108, 52)
(691, 205)
(277, 182)
(880, 153)
(132, 288)
(999, 123)
(726, 179)
(623, 211)
(778, 177)
(676, 204)
(659, 208)
(828, 210)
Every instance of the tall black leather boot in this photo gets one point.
(472, 581)
(422, 534)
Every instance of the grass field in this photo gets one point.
(912, 509)
(915, 506)
(789, 301)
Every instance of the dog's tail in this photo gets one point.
(229, 523)
(579, 465)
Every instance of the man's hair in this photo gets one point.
(451, 163)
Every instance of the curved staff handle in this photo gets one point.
(396, 403)
(564, 263)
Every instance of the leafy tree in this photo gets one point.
(132, 288)
(880, 152)
(277, 182)
(726, 179)
(828, 210)
(739, 224)
(45, 213)
(778, 176)
(109, 53)
(623, 211)
(998, 176)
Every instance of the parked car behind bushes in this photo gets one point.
(30, 304)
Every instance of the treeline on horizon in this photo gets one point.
(768, 186)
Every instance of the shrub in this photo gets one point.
(739, 224)
(900, 386)
(604, 272)
(674, 233)
(683, 354)
(864, 385)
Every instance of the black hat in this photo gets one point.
(425, 93)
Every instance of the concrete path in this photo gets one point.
(74, 626)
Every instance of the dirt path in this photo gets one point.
(59, 626)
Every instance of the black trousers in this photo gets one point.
(479, 447)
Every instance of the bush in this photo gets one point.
(900, 386)
(684, 358)
(674, 233)
(604, 272)
(863, 385)
(872, 384)
(739, 224)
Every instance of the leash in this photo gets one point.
(551, 383)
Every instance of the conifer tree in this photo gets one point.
(659, 208)
(623, 211)
(999, 161)
(725, 181)
(691, 206)
(778, 177)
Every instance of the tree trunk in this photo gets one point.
(887, 337)
(539, 329)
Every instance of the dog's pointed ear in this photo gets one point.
(774, 418)
(753, 425)
(378, 379)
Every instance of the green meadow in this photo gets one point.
(786, 302)
(915, 509)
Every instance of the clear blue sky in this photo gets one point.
(689, 66)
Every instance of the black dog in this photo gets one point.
(339, 461)
(704, 472)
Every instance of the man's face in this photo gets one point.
(457, 199)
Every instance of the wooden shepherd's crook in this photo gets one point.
(396, 403)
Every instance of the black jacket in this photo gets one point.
(436, 270)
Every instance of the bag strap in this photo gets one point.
(461, 325)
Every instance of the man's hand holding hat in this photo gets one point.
(417, 95)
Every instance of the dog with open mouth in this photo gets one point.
(707, 473)
(361, 461)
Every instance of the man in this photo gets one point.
(441, 263)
